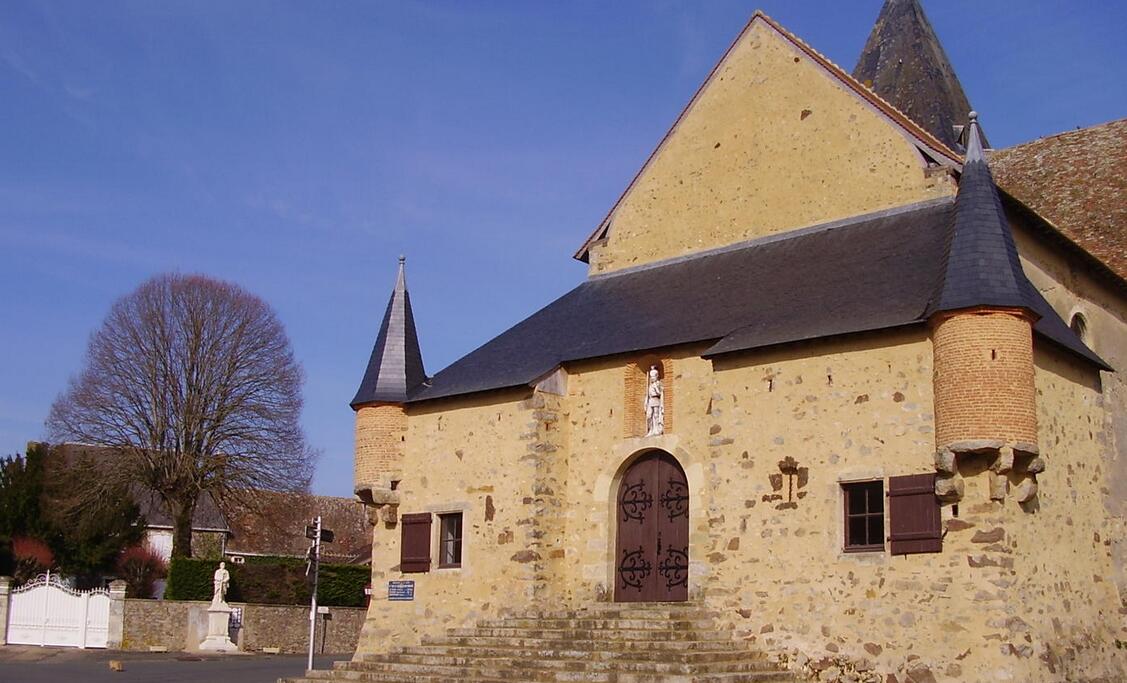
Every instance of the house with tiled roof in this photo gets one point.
(838, 400)
(276, 528)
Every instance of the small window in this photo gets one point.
(864, 516)
(450, 540)
(1080, 326)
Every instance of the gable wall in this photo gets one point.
(771, 144)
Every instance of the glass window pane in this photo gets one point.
(876, 530)
(855, 499)
(857, 534)
(876, 497)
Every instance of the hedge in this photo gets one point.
(269, 581)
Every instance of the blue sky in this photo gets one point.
(297, 148)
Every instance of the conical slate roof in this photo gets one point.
(904, 63)
(981, 265)
(396, 365)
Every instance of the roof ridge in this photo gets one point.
(1053, 136)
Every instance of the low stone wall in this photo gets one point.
(182, 625)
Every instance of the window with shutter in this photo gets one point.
(913, 511)
(415, 546)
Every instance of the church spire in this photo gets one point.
(905, 64)
(396, 365)
(982, 266)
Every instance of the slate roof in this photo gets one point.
(870, 272)
(1076, 181)
(277, 527)
(981, 265)
(396, 364)
(904, 62)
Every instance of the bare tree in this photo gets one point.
(192, 383)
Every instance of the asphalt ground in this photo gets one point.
(30, 664)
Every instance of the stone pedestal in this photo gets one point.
(218, 621)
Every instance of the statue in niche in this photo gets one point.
(221, 581)
(655, 404)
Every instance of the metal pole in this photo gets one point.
(315, 560)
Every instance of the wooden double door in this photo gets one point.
(652, 546)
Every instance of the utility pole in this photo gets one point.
(314, 566)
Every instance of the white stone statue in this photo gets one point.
(655, 404)
(221, 581)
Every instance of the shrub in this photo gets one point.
(31, 558)
(140, 566)
(189, 579)
(269, 581)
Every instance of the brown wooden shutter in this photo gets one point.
(913, 511)
(415, 547)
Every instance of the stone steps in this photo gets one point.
(606, 643)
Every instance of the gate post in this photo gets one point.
(5, 597)
(116, 633)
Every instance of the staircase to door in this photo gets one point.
(608, 642)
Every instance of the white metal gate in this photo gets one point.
(45, 612)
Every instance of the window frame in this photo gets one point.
(849, 489)
(457, 542)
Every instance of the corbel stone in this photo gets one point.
(945, 461)
(1005, 460)
(950, 488)
(1026, 490)
(998, 485)
(390, 514)
(976, 446)
(1036, 465)
(1026, 448)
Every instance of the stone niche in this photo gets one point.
(1009, 466)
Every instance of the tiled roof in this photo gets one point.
(276, 526)
(904, 62)
(866, 273)
(396, 364)
(1076, 181)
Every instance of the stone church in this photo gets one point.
(837, 396)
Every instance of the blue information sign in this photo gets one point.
(400, 590)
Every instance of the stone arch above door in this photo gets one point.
(652, 530)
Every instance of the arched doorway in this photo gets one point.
(652, 543)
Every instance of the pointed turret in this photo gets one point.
(982, 317)
(904, 63)
(396, 365)
(982, 266)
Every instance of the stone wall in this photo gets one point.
(770, 143)
(182, 625)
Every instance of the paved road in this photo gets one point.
(23, 664)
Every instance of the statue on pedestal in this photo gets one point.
(219, 614)
(655, 404)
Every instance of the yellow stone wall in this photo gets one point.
(1070, 288)
(485, 456)
(772, 143)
